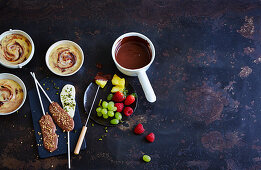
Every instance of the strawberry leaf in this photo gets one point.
(134, 94)
(125, 92)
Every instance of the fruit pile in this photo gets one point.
(116, 103)
(107, 110)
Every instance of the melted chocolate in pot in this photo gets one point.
(133, 52)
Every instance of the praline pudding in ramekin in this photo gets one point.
(64, 58)
(16, 48)
(12, 93)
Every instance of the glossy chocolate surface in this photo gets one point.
(133, 52)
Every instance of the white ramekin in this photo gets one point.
(30, 40)
(59, 43)
(20, 82)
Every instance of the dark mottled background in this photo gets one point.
(206, 76)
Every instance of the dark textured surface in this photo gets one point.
(206, 76)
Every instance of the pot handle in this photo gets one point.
(146, 86)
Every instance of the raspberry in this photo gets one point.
(139, 129)
(128, 111)
(119, 106)
(150, 137)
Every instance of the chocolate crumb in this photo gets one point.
(99, 66)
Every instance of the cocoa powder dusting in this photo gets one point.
(215, 141)
(247, 30)
(245, 72)
(204, 104)
(248, 50)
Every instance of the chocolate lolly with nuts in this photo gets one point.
(50, 138)
(61, 117)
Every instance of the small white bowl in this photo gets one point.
(59, 43)
(20, 82)
(31, 41)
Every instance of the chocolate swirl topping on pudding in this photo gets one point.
(65, 59)
(11, 95)
(14, 49)
(6, 93)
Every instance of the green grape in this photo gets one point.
(115, 109)
(146, 158)
(109, 97)
(104, 104)
(99, 114)
(114, 121)
(110, 113)
(111, 107)
(118, 115)
(105, 116)
(104, 111)
(111, 103)
(98, 109)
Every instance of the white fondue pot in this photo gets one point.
(140, 72)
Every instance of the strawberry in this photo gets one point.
(128, 111)
(119, 106)
(150, 137)
(130, 99)
(139, 129)
(118, 97)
